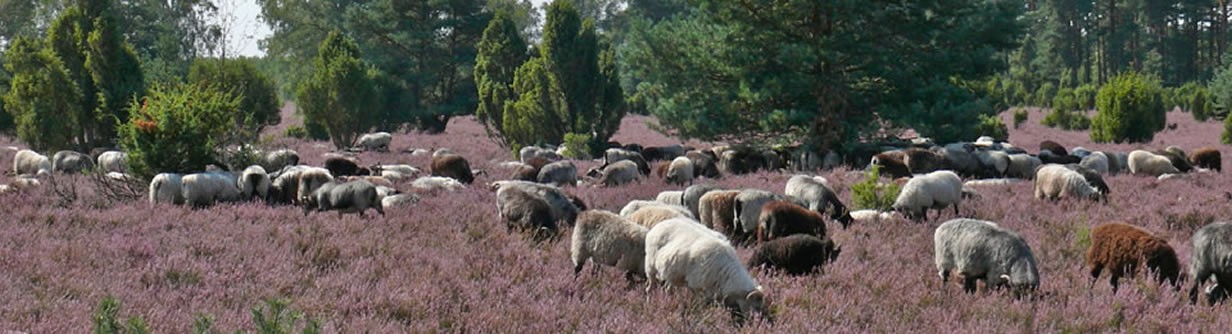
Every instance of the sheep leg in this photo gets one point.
(1199, 278)
(969, 283)
(955, 210)
(1115, 281)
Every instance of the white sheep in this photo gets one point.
(113, 161)
(868, 215)
(981, 250)
(435, 183)
(680, 171)
(1054, 181)
(27, 162)
(166, 188)
(396, 200)
(378, 141)
(991, 182)
(561, 173)
(254, 181)
(1147, 163)
(611, 240)
(673, 197)
(934, 190)
(683, 253)
(351, 197)
(205, 189)
(1096, 161)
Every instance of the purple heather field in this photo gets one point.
(447, 264)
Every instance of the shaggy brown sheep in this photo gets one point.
(1207, 157)
(922, 161)
(452, 166)
(339, 166)
(797, 254)
(716, 209)
(1053, 147)
(1123, 248)
(782, 218)
(891, 163)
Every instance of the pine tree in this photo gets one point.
(341, 93)
(501, 51)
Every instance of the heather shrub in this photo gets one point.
(107, 319)
(178, 128)
(1020, 116)
(992, 126)
(1128, 109)
(870, 194)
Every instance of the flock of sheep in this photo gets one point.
(688, 237)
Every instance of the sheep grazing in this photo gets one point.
(680, 252)
(891, 164)
(1022, 166)
(453, 166)
(339, 166)
(680, 171)
(436, 183)
(1096, 161)
(921, 161)
(868, 215)
(561, 206)
(350, 197)
(616, 173)
(308, 180)
(649, 216)
(636, 204)
(673, 197)
(27, 162)
(1118, 162)
(747, 210)
(981, 250)
(693, 195)
(277, 160)
(561, 173)
(1093, 178)
(797, 254)
(934, 190)
(1207, 157)
(608, 239)
(782, 218)
(1147, 163)
(71, 162)
(1178, 158)
(254, 181)
(113, 161)
(524, 172)
(815, 192)
(704, 164)
(524, 210)
(613, 155)
(1123, 248)
(375, 141)
(716, 210)
(993, 163)
(166, 188)
(1056, 181)
(396, 200)
(534, 152)
(1211, 256)
(204, 189)
(1052, 147)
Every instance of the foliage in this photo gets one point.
(501, 51)
(296, 131)
(106, 319)
(1020, 115)
(6, 82)
(341, 95)
(1221, 89)
(1045, 94)
(179, 129)
(1084, 97)
(1065, 100)
(1067, 120)
(992, 126)
(536, 116)
(42, 97)
(871, 194)
(259, 103)
(114, 67)
(278, 318)
(1128, 108)
(804, 70)
(1226, 137)
(577, 146)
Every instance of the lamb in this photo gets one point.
(1056, 181)
(608, 239)
(277, 160)
(650, 215)
(934, 190)
(436, 183)
(616, 173)
(166, 188)
(815, 192)
(981, 250)
(204, 189)
(782, 218)
(680, 171)
(693, 196)
(797, 254)
(1123, 248)
(747, 211)
(113, 161)
(1147, 163)
(375, 141)
(453, 166)
(673, 197)
(1211, 256)
(350, 197)
(680, 252)
(561, 173)
(562, 207)
(27, 162)
(339, 166)
(1022, 166)
(1207, 157)
(254, 181)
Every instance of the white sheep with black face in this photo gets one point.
(1150, 164)
(683, 253)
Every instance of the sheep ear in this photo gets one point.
(1005, 278)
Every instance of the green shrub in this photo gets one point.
(1200, 106)
(992, 126)
(107, 319)
(1044, 95)
(296, 131)
(258, 100)
(1084, 97)
(1020, 115)
(178, 129)
(577, 146)
(1226, 138)
(278, 318)
(1129, 108)
(872, 194)
(1065, 100)
(1067, 120)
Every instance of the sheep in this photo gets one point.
(613, 155)
(453, 166)
(867, 215)
(608, 239)
(747, 211)
(524, 210)
(797, 254)
(1123, 248)
(375, 141)
(1118, 162)
(1054, 181)
(673, 197)
(991, 182)
(351, 197)
(205, 189)
(1211, 255)
(648, 216)
(693, 195)
(1147, 163)
(680, 252)
(921, 161)
(934, 190)
(113, 161)
(815, 192)
(656, 153)
(782, 218)
(616, 173)
(1092, 177)
(1080, 152)
(19, 183)
(1096, 161)
(1052, 147)
(981, 250)
(560, 173)
(704, 164)
(27, 162)
(1207, 157)
(340, 166)
(254, 181)
(71, 162)
(960, 158)
(524, 172)
(891, 164)
(531, 152)
(1178, 158)
(680, 171)
(636, 204)
(308, 180)
(436, 183)
(166, 188)
(716, 210)
(276, 160)
(562, 207)
(1048, 158)
(1022, 166)
(994, 163)
(395, 200)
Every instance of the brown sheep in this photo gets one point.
(341, 166)
(891, 164)
(1123, 248)
(1053, 147)
(922, 161)
(1177, 157)
(452, 166)
(797, 254)
(1207, 157)
(651, 215)
(716, 209)
(782, 218)
(526, 173)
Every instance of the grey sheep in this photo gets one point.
(113, 161)
(816, 195)
(1096, 161)
(1211, 256)
(350, 197)
(1022, 166)
(608, 239)
(616, 173)
(279, 159)
(205, 189)
(980, 250)
(747, 210)
(561, 207)
(693, 195)
(673, 197)
(71, 162)
(166, 188)
(561, 173)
